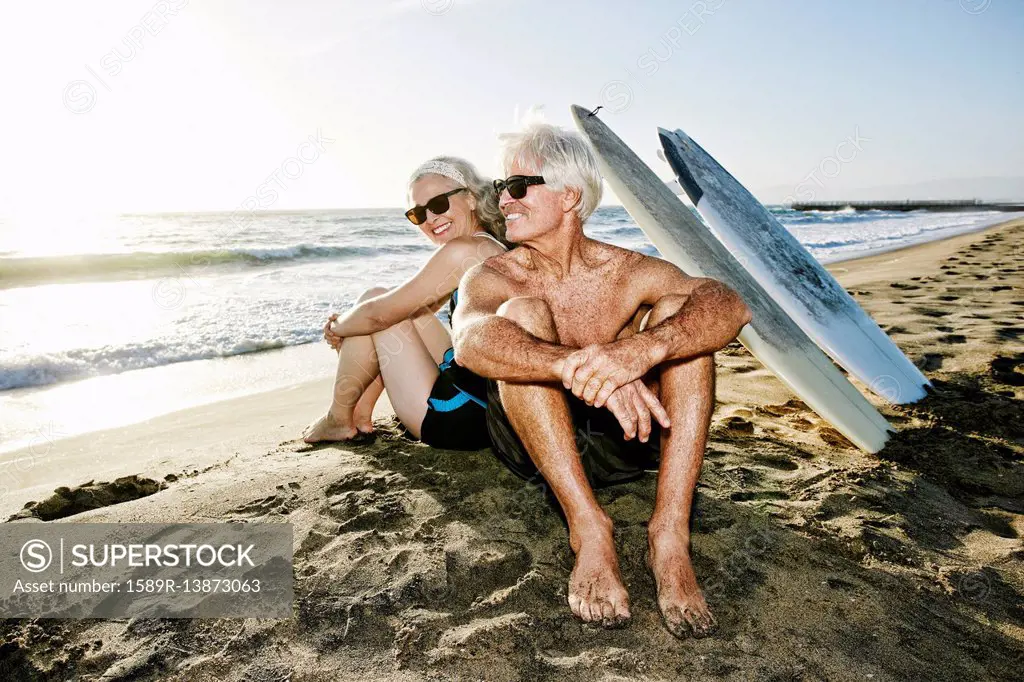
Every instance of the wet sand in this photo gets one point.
(820, 562)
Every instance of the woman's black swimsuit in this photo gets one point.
(456, 416)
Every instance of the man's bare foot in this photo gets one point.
(680, 599)
(596, 592)
(327, 428)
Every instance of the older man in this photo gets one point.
(581, 336)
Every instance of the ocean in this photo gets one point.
(110, 321)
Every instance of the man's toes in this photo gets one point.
(607, 610)
(591, 611)
(676, 623)
(704, 630)
(615, 619)
(705, 624)
(575, 605)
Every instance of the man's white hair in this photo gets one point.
(563, 157)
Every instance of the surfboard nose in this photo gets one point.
(672, 144)
(581, 114)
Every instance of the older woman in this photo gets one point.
(391, 338)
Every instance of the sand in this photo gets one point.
(821, 562)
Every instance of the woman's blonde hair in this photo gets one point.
(482, 189)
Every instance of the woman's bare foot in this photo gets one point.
(362, 413)
(596, 592)
(680, 599)
(327, 428)
(363, 422)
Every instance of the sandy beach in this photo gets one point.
(820, 562)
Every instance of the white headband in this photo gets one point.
(440, 168)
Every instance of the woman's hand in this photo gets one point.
(333, 340)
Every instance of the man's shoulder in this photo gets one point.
(510, 265)
(633, 261)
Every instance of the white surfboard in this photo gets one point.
(772, 337)
(791, 275)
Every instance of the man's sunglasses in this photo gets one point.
(517, 185)
(417, 215)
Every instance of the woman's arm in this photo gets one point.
(422, 293)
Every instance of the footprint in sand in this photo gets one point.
(272, 504)
(775, 462)
(1005, 370)
(734, 426)
(834, 438)
(788, 407)
(800, 424)
(953, 338)
(1010, 334)
(929, 362)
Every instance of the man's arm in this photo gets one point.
(491, 345)
(710, 317)
(706, 316)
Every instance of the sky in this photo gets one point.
(178, 105)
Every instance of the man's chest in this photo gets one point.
(586, 311)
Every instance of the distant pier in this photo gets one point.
(907, 205)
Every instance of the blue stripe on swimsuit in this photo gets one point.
(457, 401)
(446, 361)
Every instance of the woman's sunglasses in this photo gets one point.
(517, 185)
(417, 215)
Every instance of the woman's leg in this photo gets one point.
(437, 340)
(358, 370)
(362, 413)
(409, 370)
(434, 334)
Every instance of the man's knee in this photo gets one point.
(372, 292)
(533, 315)
(667, 306)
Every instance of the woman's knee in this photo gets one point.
(395, 338)
(532, 314)
(372, 292)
